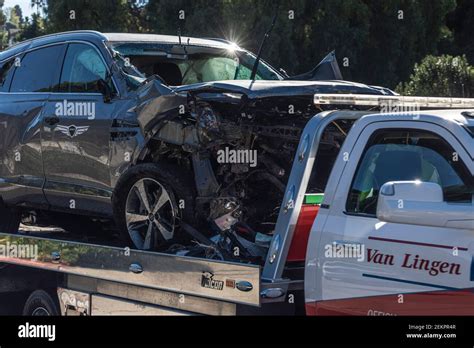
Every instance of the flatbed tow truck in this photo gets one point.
(406, 218)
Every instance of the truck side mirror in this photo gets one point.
(421, 203)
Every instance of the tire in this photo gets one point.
(40, 303)
(157, 180)
(9, 219)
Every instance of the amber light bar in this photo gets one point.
(395, 100)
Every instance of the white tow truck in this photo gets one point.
(393, 233)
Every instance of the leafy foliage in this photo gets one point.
(377, 42)
(34, 27)
(461, 23)
(3, 19)
(441, 76)
(104, 15)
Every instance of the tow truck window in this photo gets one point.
(396, 155)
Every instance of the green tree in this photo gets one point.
(377, 42)
(461, 23)
(326, 25)
(2, 23)
(401, 33)
(104, 15)
(441, 76)
(39, 4)
(16, 16)
(32, 28)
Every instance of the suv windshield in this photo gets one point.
(178, 65)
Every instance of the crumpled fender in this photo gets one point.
(155, 103)
(327, 69)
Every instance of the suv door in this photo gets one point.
(404, 269)
(24, 92)
(76, 132)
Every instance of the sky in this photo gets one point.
(24, 4)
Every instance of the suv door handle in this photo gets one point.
(51, 120)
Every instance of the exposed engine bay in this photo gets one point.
(241, 153)
(234, 131)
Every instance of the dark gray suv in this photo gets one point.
(153, 132)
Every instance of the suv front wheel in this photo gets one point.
(149, 204)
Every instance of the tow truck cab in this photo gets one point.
(394, 233)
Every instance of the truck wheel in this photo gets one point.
(9, 219)
(40, 303)
(150, 201)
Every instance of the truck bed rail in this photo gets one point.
(231, 282)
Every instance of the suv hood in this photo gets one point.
(263, 89)
(326, 77)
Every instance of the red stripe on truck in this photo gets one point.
(300, 239)
(444, 302)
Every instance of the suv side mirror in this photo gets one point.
(421, 203)
(106, 90)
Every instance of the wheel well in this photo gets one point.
(125, 177)
(157, 150)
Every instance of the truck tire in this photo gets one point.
(150, 201)
(9, 219)
(40, 303)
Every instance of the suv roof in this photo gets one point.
(94, 36)
(86, 35)
(168, 39)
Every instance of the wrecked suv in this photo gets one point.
(163, 135)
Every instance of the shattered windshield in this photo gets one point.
(133, 77)
(178, 65)
(208, 68)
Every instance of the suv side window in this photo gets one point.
(397, 155)
(83, 68)
(6, 72)
(38, 70)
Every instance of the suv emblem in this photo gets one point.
(72, 131)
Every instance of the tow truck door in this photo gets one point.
(368, 267)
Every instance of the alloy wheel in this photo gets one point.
(150, 214)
